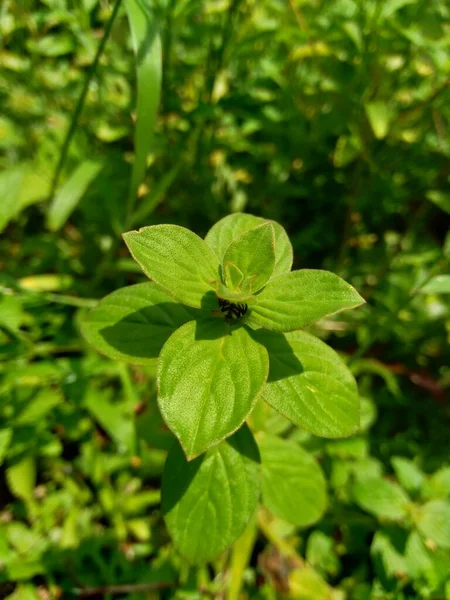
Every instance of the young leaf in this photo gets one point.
(147, 48)
(220, 236)
(179, 261)
(309, 384)
(434, 522)
(133, 323)
(409, 474)
(208, 502)
(293, 485)
(209, 378)
(253, 252)
(381, 498)
(73, 190)
(297, 299)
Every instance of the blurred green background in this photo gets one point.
(329, 116)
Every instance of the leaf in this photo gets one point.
(381, 498)
(220, 236)
(438, 285)
(179, 261)
(10, 184)
(379, 115)
(297, 299)
(209, 379)
(348, 147)
(133, 323)
(388, 552)
(21, 479)
(148, 203)
(409, 475)
(433, 522)
(5, 439)
(438, 485)
(208, 502)
(147, 48)
(253, 253)
(293, 485)
(67, 198)
(42, 403)
(309, 384)
(114, 417)
(440, 198)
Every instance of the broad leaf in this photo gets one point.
(434, 522)
(253, 252)
(208, 502)
(220, 236)
(297, 299)
(309, 384)
(209, 378)
(133, 323)
(381, 498)
(379, 115)
(293, 485)
(179, 261)
(236, 297)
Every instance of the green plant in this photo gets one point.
(224, 316)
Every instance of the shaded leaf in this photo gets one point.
(208, 502)
(133, 323)
(309, 384)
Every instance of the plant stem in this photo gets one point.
(240, 557)
(122, 589)
(80, 104)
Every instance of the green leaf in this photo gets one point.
(220, 236)
(387, 550)
(179, 261)
(133, 323)
(208, 502)
(114, 417)
(433, 522)
(440, 198)
(21, 479)
(293, 485)
(438, 285)
(237, 297)
(209, 378)
(5, 439)
(147, 48)
(42, 403)
(438, 485)
(67, 198)
(381, 498)
(309, 384)
(297, 299)
(379, 115)
(409, 475)
(10, 184)
(253, 252)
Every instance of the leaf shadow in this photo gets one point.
(283, 362)
(177, 478)
(144, 332)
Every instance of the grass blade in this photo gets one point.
(147, 47)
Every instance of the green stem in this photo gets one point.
(240, 557)
(80, 104)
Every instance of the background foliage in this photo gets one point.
(329, 117)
